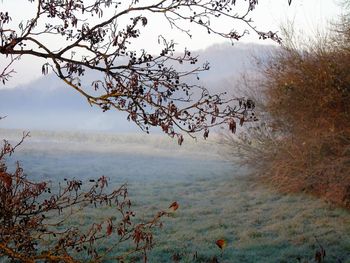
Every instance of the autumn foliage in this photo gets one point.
(303, 140)
(308, 99)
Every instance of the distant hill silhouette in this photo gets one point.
(47, 104)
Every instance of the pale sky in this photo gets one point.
(309, 16)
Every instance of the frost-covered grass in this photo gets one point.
(217, 200)
(259, 224)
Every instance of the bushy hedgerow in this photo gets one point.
(303, 141)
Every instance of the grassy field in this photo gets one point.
(259, 224)
(217, 201)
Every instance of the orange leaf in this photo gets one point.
(174, 206)
(221, 243)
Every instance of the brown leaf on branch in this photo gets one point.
(180, 139)
(109, 229)
(174, 206)
(241, 121)
(232, 126)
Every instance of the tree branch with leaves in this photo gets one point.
(35, 226)
(154, 89)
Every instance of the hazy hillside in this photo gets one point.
(48, 104)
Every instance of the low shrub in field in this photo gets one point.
(39, 226)
(308, 98)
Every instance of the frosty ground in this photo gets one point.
(218, 200)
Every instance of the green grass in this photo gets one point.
(260, 225)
